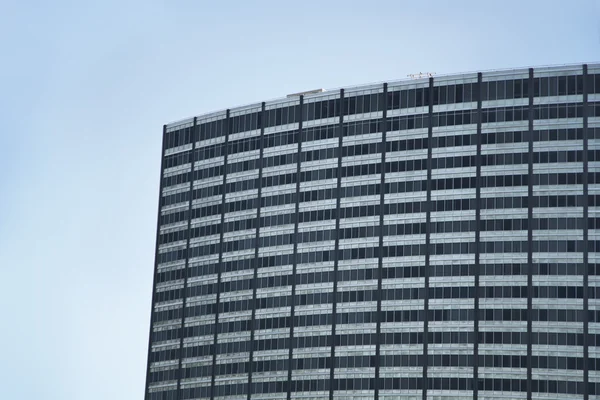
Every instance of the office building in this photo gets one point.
(431, 238)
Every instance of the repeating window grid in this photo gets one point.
(241, 176)
(366, 241)
(452, 130)
(446, 82)
(400, 239)
(284, 107)
(320, 122)
(364, 91)
(177, 187)
(354, 394)
(280, 150)
(172, 226)
(314, 395)
(394, 136)
(562, 370)
(361, 159)
(242, 195)
(176, 126)
(448, 372)
(502, 149)
(169, 286)
(272, 232)
(366, 138)
(389, 284)
(315, 98)
(157, 330)
(180, 244)
(593, 329)
(275, 250)
(168, 305)
(559, 396)
(170, 266)
(390, 156)
(494, 395)
(313, 288)
(318, 185)
(205, 318)
(359, 201)
(465, 106)
(274, 171)
(163, 387)
(207, 201)
(206, 277)
(454, 193)
(243, 135)
(409, 110)
(413, 176)
(210, 117)
(441, 152)
(270, 376)
(178, 150)
(319, 144)
(346, 287)
(494, 76)
(354, 189)
(493, 196)
(170, 366)
(573, 98)
(353, 182)
(524, 101)
(400, 198)
(265, 272)
(562, 146)
(234, 235)
(457, 79)
(318, 237)
(274, 292)
(408, 371)
(180, 188)
(200, 144)
(281, 128)
(318, 165)
(403, 262)
(174, 208)
(208, 162)
(205, 159)
(239, 215)
(271, 191)
(404, 394)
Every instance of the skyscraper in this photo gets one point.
(424, 239)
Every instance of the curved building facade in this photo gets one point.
(427, 239)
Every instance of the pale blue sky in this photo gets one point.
(84, 92)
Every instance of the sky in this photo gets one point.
(85, 90)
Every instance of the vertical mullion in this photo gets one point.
(220, 262)
(530, 237)
(585, 237)
(477, 244)
(381, 225)
(162, 162)
(337, 245)
(424, 383)
(295, 258)
(256, 247)
(187, 261)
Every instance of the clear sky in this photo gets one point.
(84, 92)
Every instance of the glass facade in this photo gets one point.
(425, 239)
